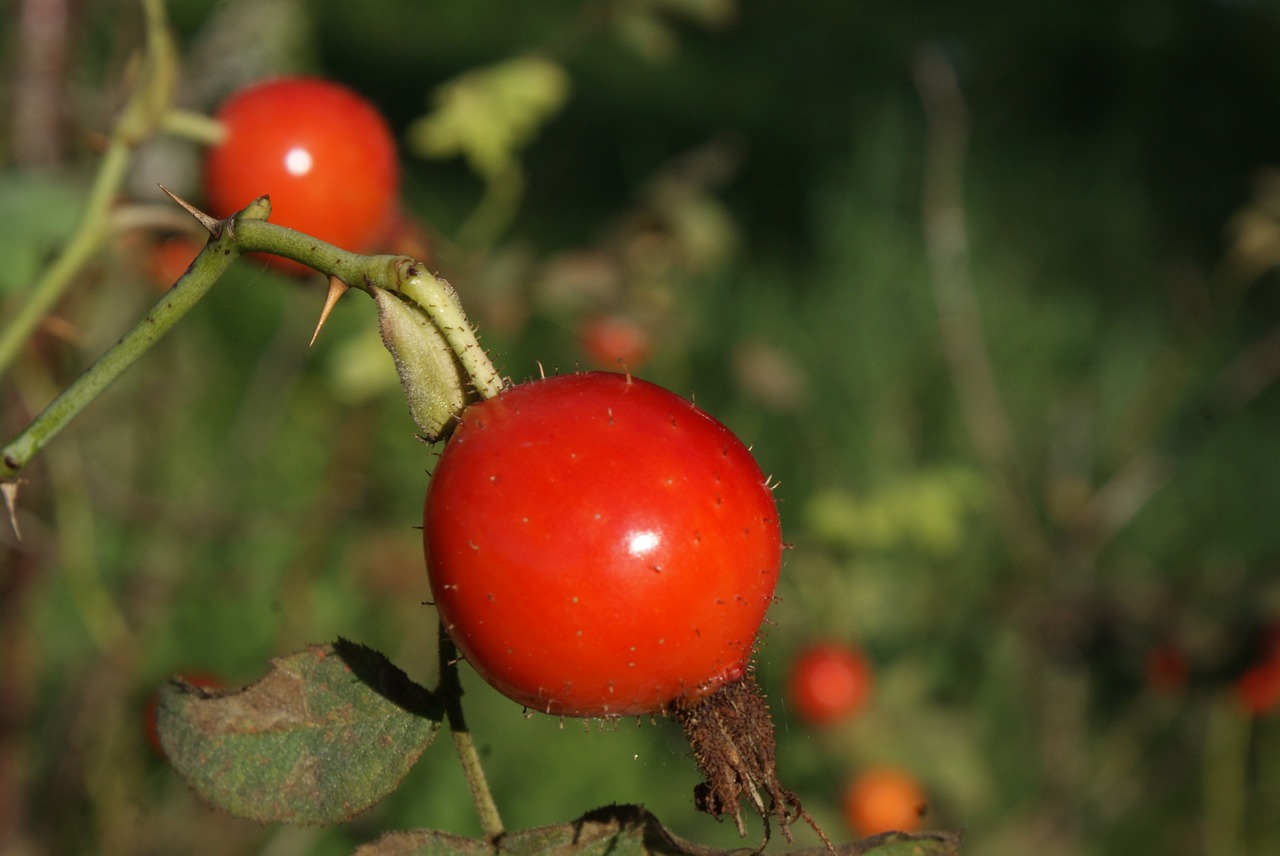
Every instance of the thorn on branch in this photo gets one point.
(212, 225)
(337, 288)
(9, 490)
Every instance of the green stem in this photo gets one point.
(439, 300)
(245, 232)
(86, 241)
(196, 127)
(496, 210)
(436, 297)
(1225, 778)
(213, 260)
(139, 120)
(450, 691)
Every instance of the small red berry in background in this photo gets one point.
(610, 341)
(197, 679)
(1166, 669)
(324, 155)
(884, 799)
(1258, 687)
(828, 682)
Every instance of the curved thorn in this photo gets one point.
(337, 288)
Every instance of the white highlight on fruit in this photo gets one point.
(642, 542)
(298, 161)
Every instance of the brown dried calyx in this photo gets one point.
(731, 734)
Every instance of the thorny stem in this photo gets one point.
(450, 691)
(213, 260)
(402, 274)
(245, 232)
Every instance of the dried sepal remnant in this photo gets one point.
(731, 734)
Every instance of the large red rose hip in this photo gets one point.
(599, 546)
(322, 153)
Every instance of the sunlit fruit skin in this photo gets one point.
(599, 546)
(324, 155)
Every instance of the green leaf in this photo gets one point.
(39, 213)
(630, 830)
(488, 114)
(325, 734)
(929, 511)
(903, 844)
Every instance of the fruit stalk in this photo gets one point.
(439, 300)
(449, 691)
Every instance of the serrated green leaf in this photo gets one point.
(325, 734)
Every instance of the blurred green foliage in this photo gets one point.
(745, 181)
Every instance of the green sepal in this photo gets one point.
(435, 384)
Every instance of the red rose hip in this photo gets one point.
(599, 546)
(828, 682)
(324, 155)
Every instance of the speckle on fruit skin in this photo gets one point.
(630, 566)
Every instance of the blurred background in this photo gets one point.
(990, 289)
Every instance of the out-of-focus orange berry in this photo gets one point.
(884, 799)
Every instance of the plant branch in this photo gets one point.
(245, 232)
(439, 300)
(196, 127)
(435, 297)
(449, 691)
(209, 265)
(59, 275)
